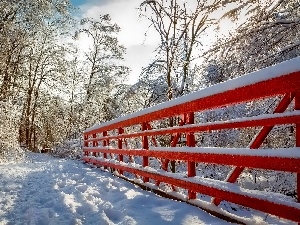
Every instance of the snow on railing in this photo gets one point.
(148, 162)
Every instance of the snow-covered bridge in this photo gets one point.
(130, 145)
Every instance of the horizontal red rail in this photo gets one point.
(281, 160)
(226, 191)
(265, 120)
(259, 90)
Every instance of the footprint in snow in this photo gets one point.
(82, 188)
(78, 178)
(61, 184)
(111, 213)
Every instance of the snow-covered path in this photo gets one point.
(46, 190)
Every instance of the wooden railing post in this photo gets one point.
(105, 143)
(86, 144)
(145, 147)
(120, 145)
(190, 138)
(95, 144)
(297, 107)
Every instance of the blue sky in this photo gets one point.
(92, 2)
(77, 2)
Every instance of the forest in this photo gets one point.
(51, 90)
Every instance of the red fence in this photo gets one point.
(108, 144)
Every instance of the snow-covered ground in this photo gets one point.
(47, 190)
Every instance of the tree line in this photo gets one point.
(51, 89)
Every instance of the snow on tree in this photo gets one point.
(103, 66)
(260, 41)
(32, 59)
(9, 145)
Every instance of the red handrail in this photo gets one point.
(278, 80)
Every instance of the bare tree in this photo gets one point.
(263, 40)
(103, 65)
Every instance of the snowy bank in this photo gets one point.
(47, 190)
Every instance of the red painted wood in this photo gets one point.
(289, 83)
(95, 144)
(154, 142)
(258, 140)
(190, 138)
(105, 143)
(260, 162)
(297, 107)
(209, 127)
(86, 144)
(282, 106)
(284, 211)
(120, 146)
(276, 86)
(174, 142)
(146, 148)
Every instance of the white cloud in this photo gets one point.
(133, 28)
